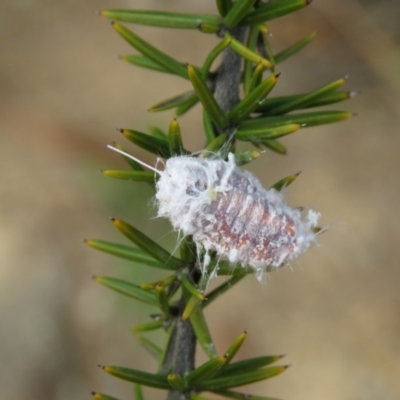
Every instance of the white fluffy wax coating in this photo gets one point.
(227, 210)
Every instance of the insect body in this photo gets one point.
(227, 210)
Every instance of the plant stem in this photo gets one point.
(180, 356)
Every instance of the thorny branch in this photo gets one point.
(180, 354)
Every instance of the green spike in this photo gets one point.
(158, 133)
(274, 9)
(146, 244)
(164, 19)
(303, 119)
(285, 182)
(151, 52)
(176, 382)
(224, 287)
(256, 79)
(150, 347)
(239, 10)
(190, 288)
(234, 380)
(136, 376)
(296, 47)
(137, 176)
(250, 102)
(175, 139)
(224, 6)
(207, 99)
(206, 370)
(246, 53)
(175, 101)
(148, 326)
(127, 252)
(137, 390)
(328, 98)
(147, 142)
(144, 62)
(302, 102)
(186, 106)
(240, 396)
(102, 396)
(127, 289)
(235, 347)
(162, 300)
(132, 163)
(269, 132)
(248, 64)
(208, 127)
(246, 157)
(214, 53)
(250, 364)
(214, 146)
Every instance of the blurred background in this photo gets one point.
(335, 312)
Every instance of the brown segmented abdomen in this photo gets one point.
(226, 210)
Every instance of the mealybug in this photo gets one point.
(227, 210)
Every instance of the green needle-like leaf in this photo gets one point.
(102, 396)
(175, 139)
(202, 332)
(256, 79)
(127, 289)
(186, 105)
(238, 12)
(240, 396)
(148, 326)
(224, 6)
(150, 347)
(151, 52)
(214, 146)
(137, 389)
(274, 9)
(302, 102)
(176, 382)
(190, 288)
(174, 101)
(195, 396)
(285, 182)
(140, 377)
(207, 99)
(138, 176)
(246, 53)
(224, 287)
(268, 132)
(132, 163)
(326, 99)
(206, 370)
(245, 107)
(234, 380)
(127, 252)
(273, 145)
(164, 19)
(248, 365)
(152, 144)
(306, 119)
(267, 49)
(208, 127)
(283, 55)
(158, 133)
(251, 44)
(146, 244)
(144, 62)
(214, 53)
(162, 300)
(246, 157)
(235, 347)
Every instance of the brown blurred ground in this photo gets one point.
(63, 91)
